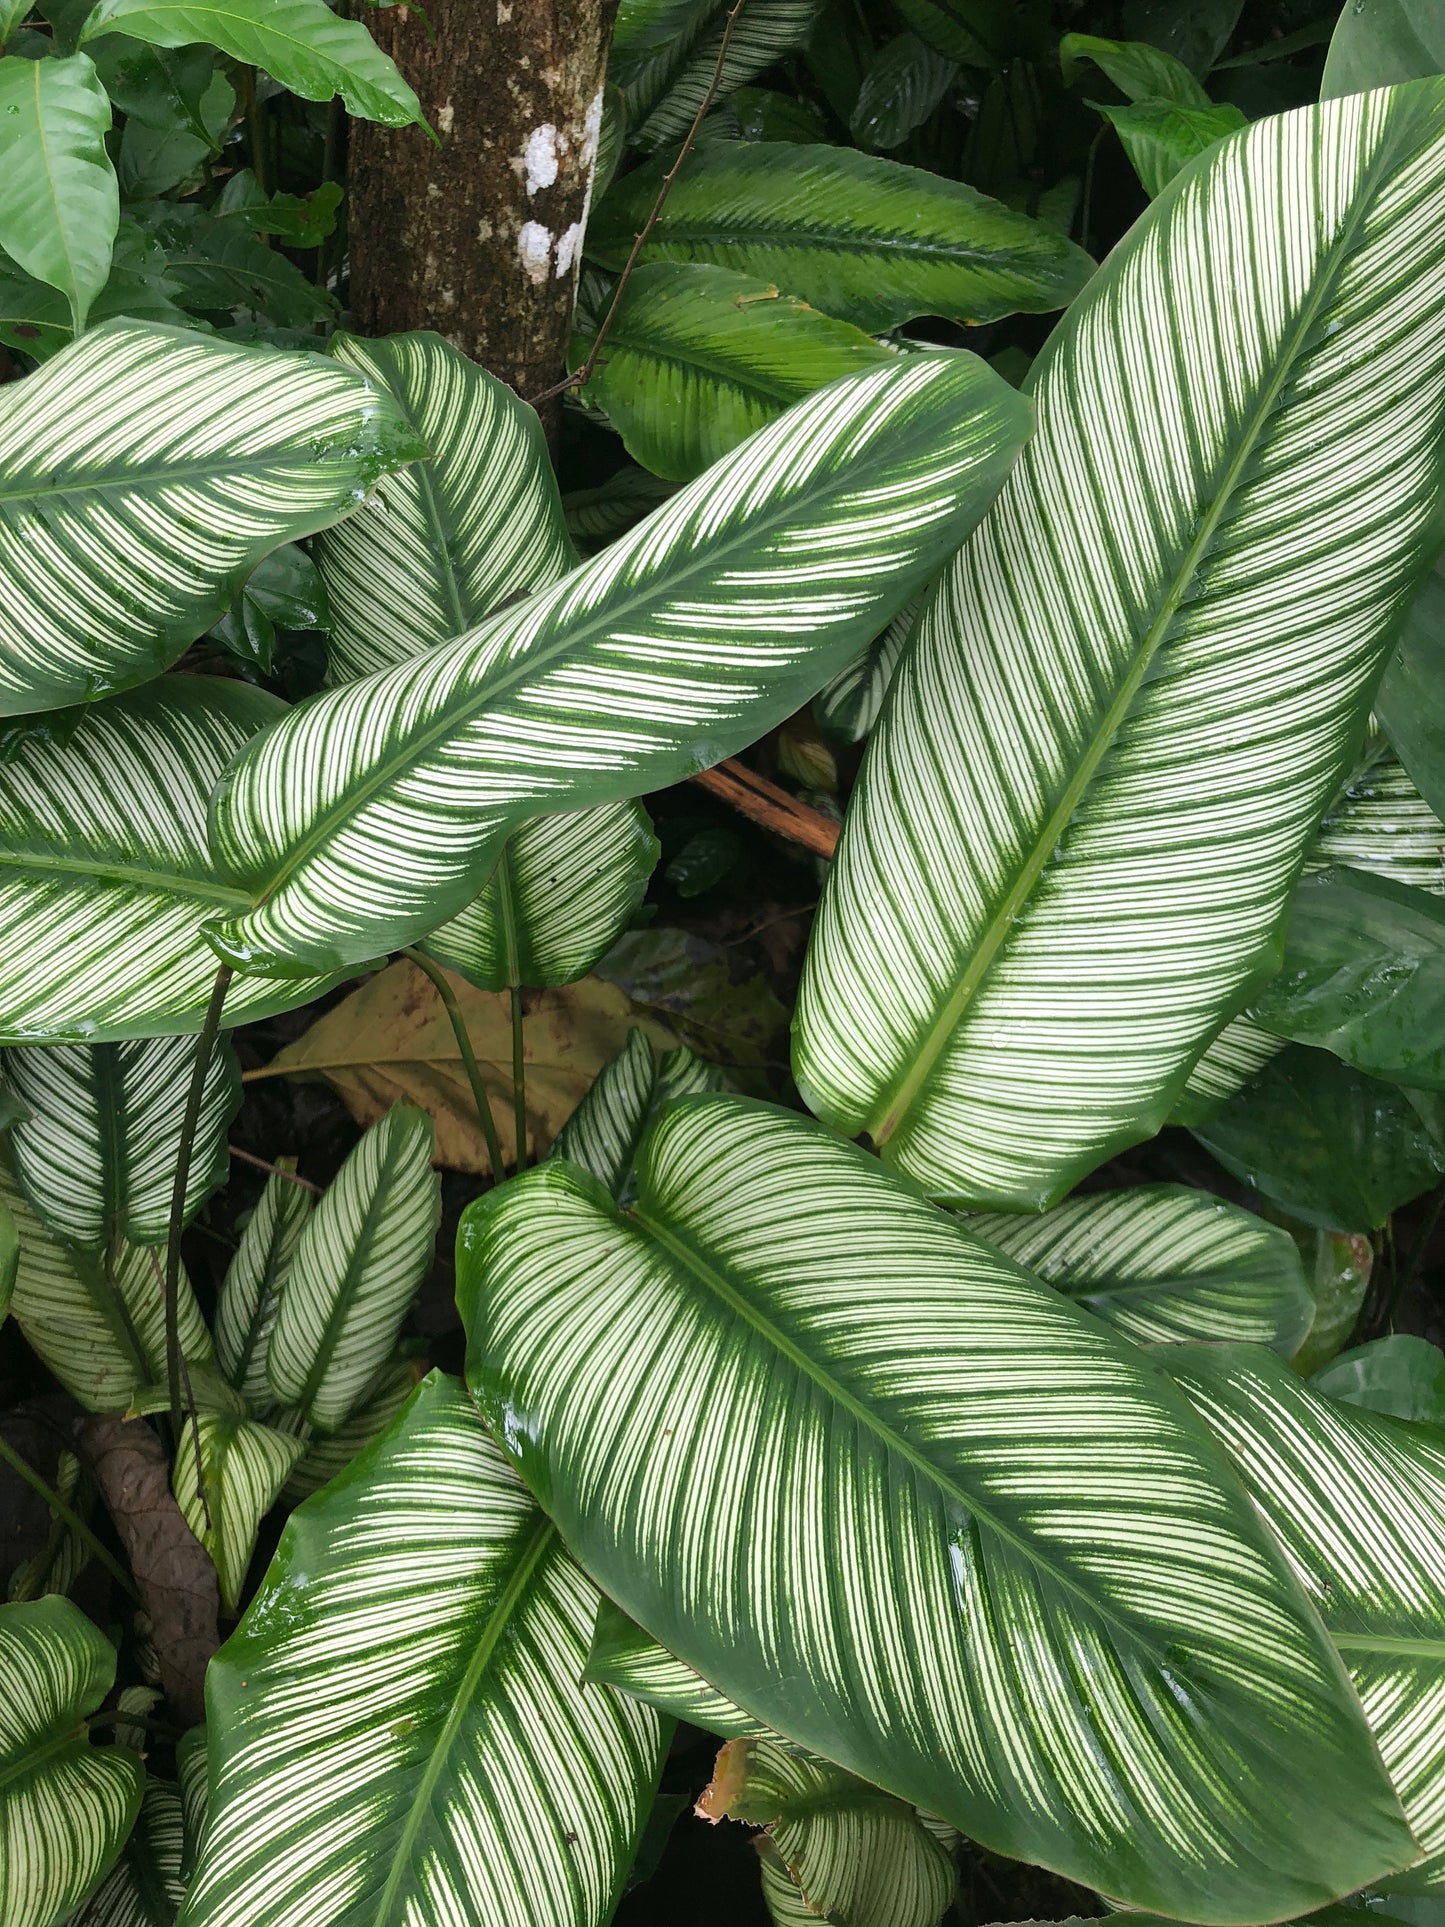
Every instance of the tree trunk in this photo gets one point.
(480, 237)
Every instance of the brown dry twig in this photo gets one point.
(754, 796)
(275, 1170)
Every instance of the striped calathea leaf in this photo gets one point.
(250, 1294)
(900, 1496)
(849, 706)
(327, 1453)
(376, 811)
(398, 1729)
(832, 1846)
(1358, 1502)
(97, 1319)
(96, 1155)
(564, 889)
(143, 472)
(228, 1474)
(1014, 969)
(1164, 1264)
(441, 544)
(624, 1656)
(604, 1132)
(665, 55)
(357, 1261)
(105, 878)
(67, 1805)
(144, 1888)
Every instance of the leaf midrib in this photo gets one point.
(706, 561)
(746, 378)
(171, 882)
(892, 1110)
(497, 1621)
(1006, 260)
(33, 490)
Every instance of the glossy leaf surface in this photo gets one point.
(893, 1553)
(1014, 969)
(62, 205)
(143, 472)
(397, 1728)
(376, 811)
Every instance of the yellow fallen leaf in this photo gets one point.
(392, 1042)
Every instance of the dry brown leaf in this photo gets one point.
(392, 1042)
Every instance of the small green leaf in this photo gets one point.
(243, 1466)
(68, 1805)
(1140, 71)
(603, 1133)
(61, 204)
(255, 1278)
(1380, 42)
(900, 90)
(1401, 1375)
(1160, 137)
(218, 266)
(302, 43)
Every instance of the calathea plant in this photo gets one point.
(961, 1505)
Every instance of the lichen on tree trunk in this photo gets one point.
(480, 235)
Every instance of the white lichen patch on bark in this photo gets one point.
(542, 157)
(534, 246)
(446, 114)
(567, 245)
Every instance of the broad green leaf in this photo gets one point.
(890, 1494)
(218, 266)
(97, 1154)
(243, 1466)
(665, 55)
(1331, 1145)
(328, 1453)
(1161, 137)
(301, 43)
(1338, 1265)
(398, 1730)
(850, 705)
(162, 89)
(144, 1888)
(1363, 976)
(1164, 1264)
(358, 1260)
(696, 358)
(143, 472)
(35, 320)
(760, 114)
(852, 1853)
(977, 33)
(255, 1278)
(440, 546)
(701, 628)
(1409, 702)
(97, 1321)
(1379, 42)
(105, 878)
(1140, 71)
(68, 1806)
(863, 239)
(61, 205)
(1358, 1503)
(1196, 35)
(1400, 1375)
(603, 1133)
(624, 1656)
(905, 83)
(564, 890)
(1014, 969)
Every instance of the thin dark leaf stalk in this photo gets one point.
(274, 1170)
(67, 1516)
(469, 1057)
(514, 994)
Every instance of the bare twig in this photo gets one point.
(585, 373)
(276, 1170)
(754, 796)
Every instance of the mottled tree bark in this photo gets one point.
(480, 237)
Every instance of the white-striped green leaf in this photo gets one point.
(603, 1133)
(1164, 1265)
(1073, 841)
(624, 1656)
(896, 1497)
(144, 1888)
(849, 706)
(191, 1772)
(866, 240)
(853, 1854)
(67, 1806)
(97, 1319)
(597, 516)
(1358, 1502)
(664, 56)
(328, 1453)
(61, 207)
(251, 1292)
(901, 88)
(357, 1263)
(97, 1154)
(9, 1259)
(564, 890)
(697, 358)
(398, 1729)
(243, 1467)
(375, 811)
(104, 873)
(476, 523)
(144, 471)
